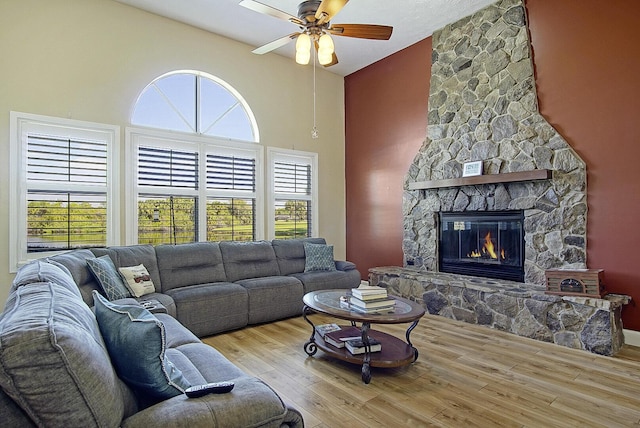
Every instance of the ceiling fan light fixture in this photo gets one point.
(324, 58)
(303, 49)
(325, 49)
(326, 42)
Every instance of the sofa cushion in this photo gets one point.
(318, 257)
(206, 309)
(252, 403)
(137, 279)
(42, 271)
(108, 277)
(53, 361)
(136, 342)
(273, 297)
(345, 265)
(244, 260)
(133, 255)
(290, 253)
(190, 264)
(76, 262)
(324, 280)
(11, 414)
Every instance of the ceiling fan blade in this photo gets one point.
(271, 11)
(275, 44)
(328, 9)
(362, 31)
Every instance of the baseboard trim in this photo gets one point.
(631, 337)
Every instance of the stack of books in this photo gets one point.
(356, 346)
(348, 337)
(339, 338)
(370, 299)
(323, 329)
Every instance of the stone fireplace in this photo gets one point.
(483, 107)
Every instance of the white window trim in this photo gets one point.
(20, 123)
(277, 154)
(136, 136)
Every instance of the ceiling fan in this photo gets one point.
(314, 18)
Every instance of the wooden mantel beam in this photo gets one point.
(509, 177)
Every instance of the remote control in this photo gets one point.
(209, 388)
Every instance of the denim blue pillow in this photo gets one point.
(136, 342)
(318, 257)
(108, 277)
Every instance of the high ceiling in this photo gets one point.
(412, 21)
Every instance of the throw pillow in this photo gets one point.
(137, 280)
(136, 342)
(107, 276)
(318, 257)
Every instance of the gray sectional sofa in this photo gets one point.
(57, 361)
(211, 287)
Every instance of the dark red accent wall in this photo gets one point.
(587, 62)
(386, 123)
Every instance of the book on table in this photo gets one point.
(369, 292)
(386, 302)
(367, 297)
(382, 310)
(323, 329)
(356, 346)
(339, 337)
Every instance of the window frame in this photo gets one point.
(136, 136)
(285, 155)
(199, 75)
(21, 124)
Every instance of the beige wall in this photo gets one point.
(89, 60)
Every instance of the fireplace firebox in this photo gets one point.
(482, 243)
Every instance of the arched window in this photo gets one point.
(191, 183)
(196, 102)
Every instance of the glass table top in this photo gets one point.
(328, 302)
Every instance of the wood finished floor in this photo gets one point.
(465, 376)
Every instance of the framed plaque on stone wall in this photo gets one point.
(469, 169)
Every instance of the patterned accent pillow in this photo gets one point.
(318, 257)
(137, 280)
(108, 277)
(136, 341)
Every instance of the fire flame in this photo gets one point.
(487, 249)
(488, 246)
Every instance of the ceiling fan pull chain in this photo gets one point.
(314, 131)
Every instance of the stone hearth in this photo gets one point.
(524, 309)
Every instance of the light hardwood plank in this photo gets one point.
(466, 375)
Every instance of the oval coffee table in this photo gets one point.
(394, 353)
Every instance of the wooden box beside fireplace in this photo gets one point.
(580, 282)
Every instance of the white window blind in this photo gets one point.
(231, 218)
(293, 203)
(165, 167)
(193, 188)
(54, 159)
(230, 172)
(292, 178)
(62, 213)
(62, 196)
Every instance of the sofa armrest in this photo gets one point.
(250, 403)
(344, 265)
